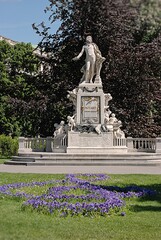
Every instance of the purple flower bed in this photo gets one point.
(76, 195)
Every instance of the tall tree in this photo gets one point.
(149, 19)
(21, 103)
(132, 69)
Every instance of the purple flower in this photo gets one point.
(123, 214)
(76, 194)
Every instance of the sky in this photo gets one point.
(17, 17)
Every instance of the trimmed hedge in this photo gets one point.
(8, 146)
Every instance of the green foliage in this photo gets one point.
(149, 19)
(21, 103)
(8, 146)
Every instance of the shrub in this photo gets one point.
(8, 145)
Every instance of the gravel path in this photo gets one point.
(82, 169)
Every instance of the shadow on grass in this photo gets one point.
(139, 208)
(149, 202)
(155, 197)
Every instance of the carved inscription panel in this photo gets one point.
(90, 110)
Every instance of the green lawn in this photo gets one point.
(142, 220)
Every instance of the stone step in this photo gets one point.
(10, 162)
(88, 156)
(86, 159)
(86, 163)
(24, 159)
(100, 158)
(26, 154)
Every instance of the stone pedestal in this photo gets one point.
(93, 131)
(93, 143)
(90, 104)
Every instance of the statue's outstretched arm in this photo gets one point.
(79, 55)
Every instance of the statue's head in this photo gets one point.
(62, 123)
(89, 39)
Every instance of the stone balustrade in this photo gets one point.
(118, 142)
(32, 144)
(48, 144)
(143, 144)
(40, 144)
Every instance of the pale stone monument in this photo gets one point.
(93, 128)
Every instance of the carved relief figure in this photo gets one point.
(119, 133)
(71, 122)
(108, 97)
(107, 116)
(113, 119)
(72, 96)
(60, 129)
(93, 62)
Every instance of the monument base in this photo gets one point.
(89, 150)
(93, 143)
